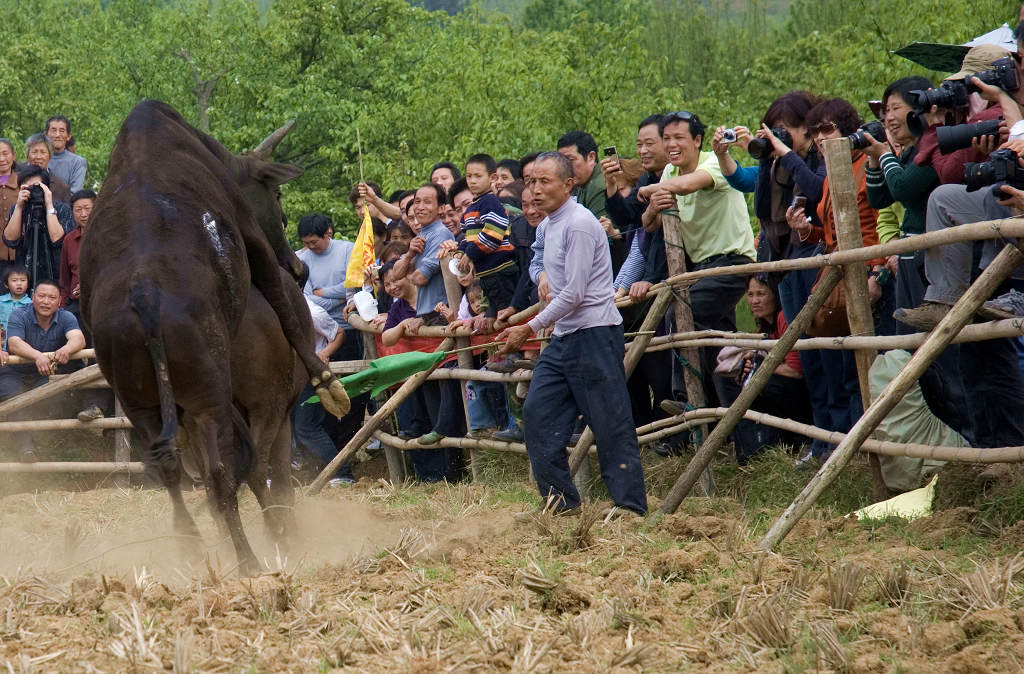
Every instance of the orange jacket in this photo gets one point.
(868, 215)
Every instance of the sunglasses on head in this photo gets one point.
(682, 115)
(824, 127)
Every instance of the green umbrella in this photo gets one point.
(944, 58)
(387, 371)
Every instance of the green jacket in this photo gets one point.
(903, 181)
(591, 194)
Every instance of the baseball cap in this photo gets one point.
(979, 58)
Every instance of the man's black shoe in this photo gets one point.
(509, 435)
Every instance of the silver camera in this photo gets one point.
(729, 135)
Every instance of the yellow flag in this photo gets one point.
(362, 254)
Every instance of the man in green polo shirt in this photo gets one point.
(580, 149)
(715, 226)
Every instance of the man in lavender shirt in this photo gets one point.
(581, 371)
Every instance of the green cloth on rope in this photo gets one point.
(386, 372)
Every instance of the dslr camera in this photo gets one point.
(1000, 169)
(761, 148)
(954, 93)
(958, 137)
(859, 138)
(36, 196)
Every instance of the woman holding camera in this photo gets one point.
(37, 225)
(837, 118)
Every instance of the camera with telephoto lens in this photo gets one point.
(1003, 74)
(1000, 169)
(951, 95)
(859, 138)
(729, 136)
(761, 148)
(958, 137)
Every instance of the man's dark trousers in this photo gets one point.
(582, 373)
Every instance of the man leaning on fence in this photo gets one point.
(44, 334)
(581, 371)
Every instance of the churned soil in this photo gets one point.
(427, 578)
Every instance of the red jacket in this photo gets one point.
(70, 246)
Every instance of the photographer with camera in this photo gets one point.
(36, 225)
(835, 371)
(898, 179)
(990, 370)
(978, 132)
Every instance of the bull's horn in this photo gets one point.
(265, 150)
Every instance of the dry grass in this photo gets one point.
(843, 585)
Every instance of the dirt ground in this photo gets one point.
(429, 578)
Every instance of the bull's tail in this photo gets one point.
(145, 300)
(246, 446)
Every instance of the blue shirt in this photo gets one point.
(7, 305)
(579, 270)
(23, 324)
(426, 263)
(327, 269)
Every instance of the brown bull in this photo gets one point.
(180, 232)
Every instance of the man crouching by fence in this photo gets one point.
(581, 371)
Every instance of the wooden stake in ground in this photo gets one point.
(843, 192)
(636, 350)
(675, 255)
(374, 422)
(700, 461)
(453, 291)
(941, 336)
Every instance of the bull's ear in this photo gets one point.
(273, 173)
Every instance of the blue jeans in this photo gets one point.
(485, 405)
(310, 425)
(582, 373)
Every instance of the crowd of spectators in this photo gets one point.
(46, 210)
(487, 215)
(484, 212)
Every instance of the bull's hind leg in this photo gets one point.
(266, 275)
(278, 510)
(218, 435)
(148, 423)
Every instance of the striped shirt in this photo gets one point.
(485, 235)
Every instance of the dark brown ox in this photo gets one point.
(180, 232)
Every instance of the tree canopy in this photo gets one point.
(424, 85)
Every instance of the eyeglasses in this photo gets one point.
(824, 127)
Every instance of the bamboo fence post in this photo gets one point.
(911, 450)
(393, 457)
(373, 423)
(675, 255)
(941, 336)
(975, 231)
(632, 358)
(122, 447)
(73, 467)
(453, 290)
(700, 461)
(50, 389)
(843, 191)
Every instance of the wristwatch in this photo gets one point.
(52, 210)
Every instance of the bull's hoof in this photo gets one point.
(249, 567)
(334, 398)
